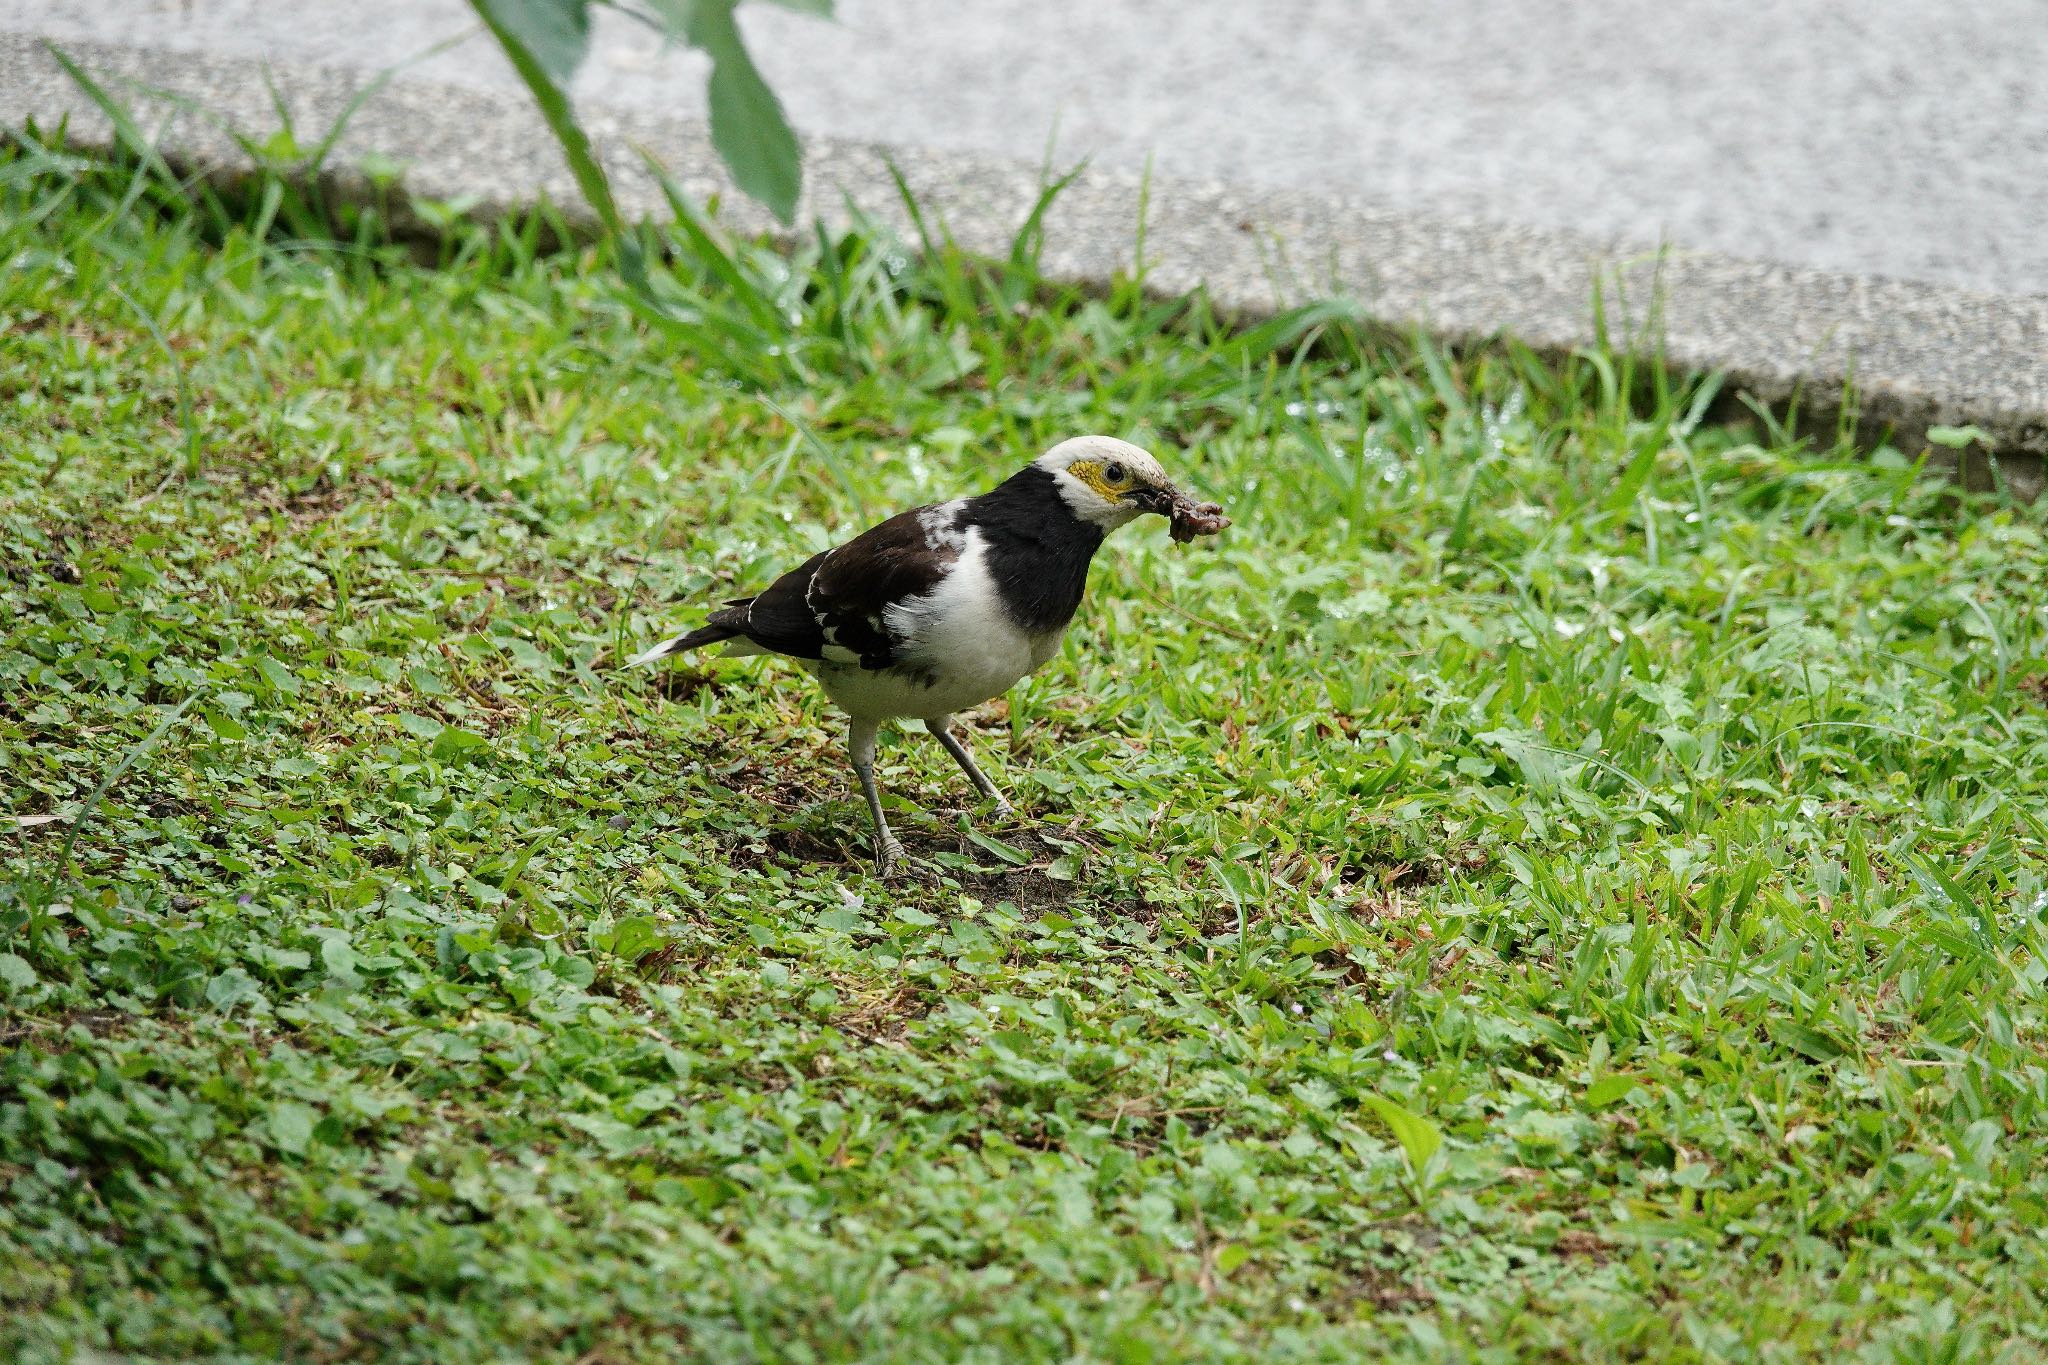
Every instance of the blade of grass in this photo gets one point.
(188, 420)
(135, 755)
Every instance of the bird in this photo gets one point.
(945, 606)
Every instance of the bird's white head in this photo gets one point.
(1107, 482)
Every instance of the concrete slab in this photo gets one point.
(1470, 169)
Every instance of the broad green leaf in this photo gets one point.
(615, 1137)
(631, 937)
(708, 1191)
(1419, 1138)
(339, 957)
(231, 988)
(453, 742)
(1009, 853)
(1607, 1090)
(16, 972)
(748, 128)
(291, 1126)
(577, 971)
(546, 40)
(277, 675)
(419, 726)
(530, 658)
(1540, 767)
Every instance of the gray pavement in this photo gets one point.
(1846, 188)
(1882, 137)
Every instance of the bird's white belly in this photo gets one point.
(958, 648)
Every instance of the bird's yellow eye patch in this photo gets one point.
(1110, 478)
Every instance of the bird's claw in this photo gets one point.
(888, 855)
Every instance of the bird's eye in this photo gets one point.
(1115, 472)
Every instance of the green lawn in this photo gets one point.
(1558, 879)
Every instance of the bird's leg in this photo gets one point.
(942, 729)
(861, 743)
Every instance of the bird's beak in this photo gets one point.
(1160, 500)
(1189, 518)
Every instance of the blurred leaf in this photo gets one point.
(16, 973)
(291, 1126)
(614, 1136)
(1419, 1138)
(231, 988)
(708, 1191)
(554, 33)
(139, 144)
(1607, 1090)
(1808, 1042)
(1955, 438)
(517, 30)
(546, 41)
(1633, 478)
(748, 128)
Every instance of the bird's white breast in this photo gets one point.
(956, 647)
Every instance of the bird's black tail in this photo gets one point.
(725, 623)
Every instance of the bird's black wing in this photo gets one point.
(777, 619)
(832, 605)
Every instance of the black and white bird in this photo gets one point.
(943, 607)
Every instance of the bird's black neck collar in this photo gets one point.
(1038, 550)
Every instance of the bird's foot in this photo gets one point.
(889, 856)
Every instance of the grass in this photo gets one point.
(1558, 879)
